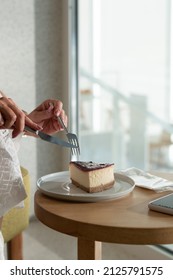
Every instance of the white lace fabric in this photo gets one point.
(12, 190)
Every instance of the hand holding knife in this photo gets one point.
(49, 138)
(12, 117)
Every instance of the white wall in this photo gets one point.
(31, 70)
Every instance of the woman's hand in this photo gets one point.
(12, 117)
(45, 115)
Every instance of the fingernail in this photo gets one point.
(57, 113)
(39, 127)
(51, 106)
(1, 120)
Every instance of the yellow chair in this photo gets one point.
(14, 223)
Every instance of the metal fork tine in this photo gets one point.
(76, 151)
(72, 138)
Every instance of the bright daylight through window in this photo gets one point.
(125, 72)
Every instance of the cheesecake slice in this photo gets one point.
(92, 177)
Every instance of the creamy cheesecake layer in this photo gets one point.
(92, 177)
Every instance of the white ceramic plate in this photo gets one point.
(58, 185)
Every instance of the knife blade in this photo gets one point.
(49, 138)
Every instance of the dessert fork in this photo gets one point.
(72, 138)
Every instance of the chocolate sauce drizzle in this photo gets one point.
(89, 165)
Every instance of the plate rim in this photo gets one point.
(80, 198)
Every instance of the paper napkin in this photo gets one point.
(146, 180)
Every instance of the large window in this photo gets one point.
(125, 68)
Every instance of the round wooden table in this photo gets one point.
(125, 221)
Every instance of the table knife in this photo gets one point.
(49, 138)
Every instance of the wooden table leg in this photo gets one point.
(89, 249)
